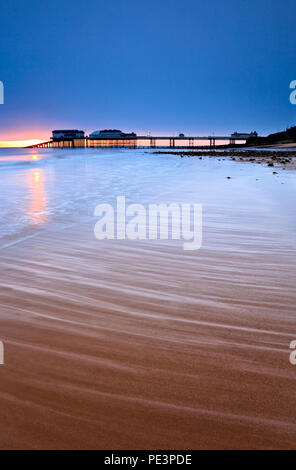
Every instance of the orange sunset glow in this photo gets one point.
(20, 143)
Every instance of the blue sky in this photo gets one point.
(158, 66)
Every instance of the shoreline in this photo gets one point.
(271, 158)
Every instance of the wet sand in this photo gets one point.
(163, 354)
(141, 345)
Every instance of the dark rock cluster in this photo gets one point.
(270, 157)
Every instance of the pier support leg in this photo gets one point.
(212, 142)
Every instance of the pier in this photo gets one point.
(107, 139)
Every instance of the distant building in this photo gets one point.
(67, 134)
(111, 134)
(244, 135)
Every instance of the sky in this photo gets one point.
(164, 66)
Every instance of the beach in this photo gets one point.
(120, 344)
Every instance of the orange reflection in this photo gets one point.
(38, 196)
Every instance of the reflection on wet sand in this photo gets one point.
(38, 199)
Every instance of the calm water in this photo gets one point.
(42, 188)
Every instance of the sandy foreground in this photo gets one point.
(142, 345)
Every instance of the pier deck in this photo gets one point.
(138, 141)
